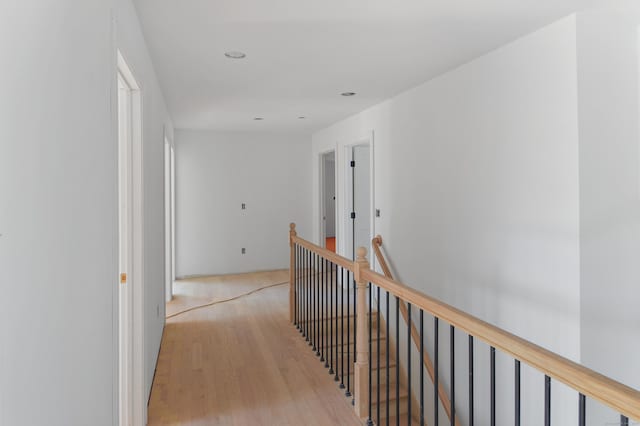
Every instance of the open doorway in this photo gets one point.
(328, 200)
(358, 198)
(130, 225)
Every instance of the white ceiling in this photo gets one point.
(302, 54)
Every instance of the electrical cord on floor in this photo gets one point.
(217, 302)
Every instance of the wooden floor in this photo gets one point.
(240, 362)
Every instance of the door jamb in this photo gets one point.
(346, 192)
(138, 412)
(322, 223)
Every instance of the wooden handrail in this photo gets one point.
(376, 243)
(624, 399)
(329, 255)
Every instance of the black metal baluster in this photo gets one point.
(323, 331)
(547, 401)
(452, 352)
(295, 286)
(342, 328)
(318, 337)
(348, 392)
(436, 378)
(370, 421)
(624, 421)
(309, 300)
(327, 320)
(517, 396)
(355, 329)
(299, 286)
(388, 320)
(313, 302)
(307, 294)
(421, 368)
(303, 277)
(314, 315)
(310, 297)
(409, 361)
(493, 386)
(335, 284)
(320, 322)
(397, 360)
(326, 316)
(582, 410)
(378, 350)
(319, 317)
(471, 381)
(330, 317)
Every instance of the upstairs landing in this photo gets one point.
(240, 362)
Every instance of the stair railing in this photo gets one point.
(322, 280)
(376, 243)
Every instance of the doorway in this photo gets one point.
(359, 198)
(328, 200)
(130, 224)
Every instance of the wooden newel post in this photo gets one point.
(361, 369)
(292, 272)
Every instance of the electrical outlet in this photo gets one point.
(377, 212)
(244, 206)
(244, 250)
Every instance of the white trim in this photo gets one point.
(322, 223)
(345, 191)
(133, 411)
(169, 172)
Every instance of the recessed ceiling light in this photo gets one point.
(348, 93)
(258, 118)
(235, 55)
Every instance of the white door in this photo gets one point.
(361, 198)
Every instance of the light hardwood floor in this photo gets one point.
(240, 362)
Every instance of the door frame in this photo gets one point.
(346, 195)
(169, 203)
(322, 222)
(132, 407)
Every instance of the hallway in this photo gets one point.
(240, 362)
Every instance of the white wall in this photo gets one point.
(58, 214)
(215, 174)
(476, 177)
(610, 193)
